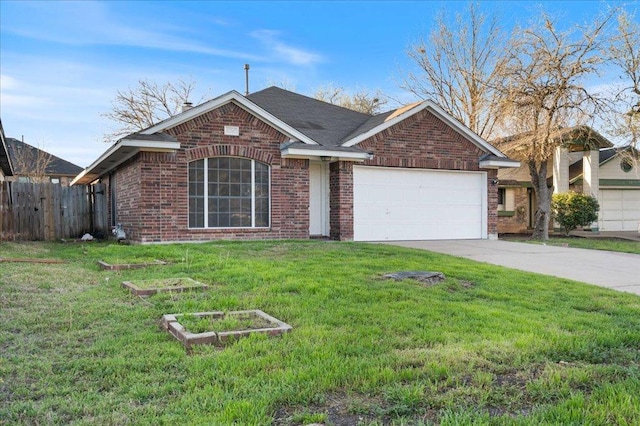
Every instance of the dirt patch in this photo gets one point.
(345, 409)
(340, 409)
(425, 277)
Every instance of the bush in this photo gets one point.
(572, 209)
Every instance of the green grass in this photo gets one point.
(488, 345)
(624, 246)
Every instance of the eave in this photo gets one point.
(120, 152)
(498, 163)
(324, 154)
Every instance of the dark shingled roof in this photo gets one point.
(56, 167)
(575, 138)
(323, 122)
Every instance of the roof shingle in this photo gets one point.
(56, 167)
(323, 122)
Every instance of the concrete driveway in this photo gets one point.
(618, 271)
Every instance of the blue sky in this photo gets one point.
(61, 63)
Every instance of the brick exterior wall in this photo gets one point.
(128, 197)
(341, 200)
(519, 222)
(152, 188)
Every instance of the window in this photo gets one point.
(626, 164)
(502, 192)
(228, 192)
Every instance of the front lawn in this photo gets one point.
(488, 345)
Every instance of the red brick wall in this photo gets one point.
(492, 203)
(341, 200)
(423, 141)
(153, 188)
(128, 196)
(519, 222)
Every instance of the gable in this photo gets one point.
(239, 100)
(402, 114)
(228, 130)
(611, 170)
(422, 140)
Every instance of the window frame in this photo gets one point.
(502, 193)
(626, 164)
(205, 198)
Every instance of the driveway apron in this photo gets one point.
(617, 271)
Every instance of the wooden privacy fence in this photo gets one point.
(49, 211)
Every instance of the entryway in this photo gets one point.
(318, 200)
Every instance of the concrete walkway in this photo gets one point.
(618, 271)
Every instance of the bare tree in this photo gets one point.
(544, 89)
(624, 53)
(148, 103)
(30, 162)
(459, 68)
(361, 100)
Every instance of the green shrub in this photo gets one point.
(572, 209)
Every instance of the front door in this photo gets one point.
(318, 200)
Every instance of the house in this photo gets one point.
(585, 162)
(276, 164)
(6, 169)
(31, 164)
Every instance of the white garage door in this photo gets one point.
(619, 209)
(410, 204)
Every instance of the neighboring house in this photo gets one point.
(586, 162)
(31, 164)
(6, 169)
(276, 164)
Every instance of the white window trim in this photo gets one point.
(253, 196)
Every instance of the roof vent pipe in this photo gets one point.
(246, 79)
(186, 106)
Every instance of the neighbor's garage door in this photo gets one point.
(619, 209)
(410, 204)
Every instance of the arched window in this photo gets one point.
(229, 192)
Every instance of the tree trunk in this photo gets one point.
(542, 216)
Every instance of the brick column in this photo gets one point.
(341, 200)
(492, 205)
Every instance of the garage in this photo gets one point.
(418, 204)
(619, 209)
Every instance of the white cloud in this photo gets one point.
(93, 23)
(7, 82)
(285, 52)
